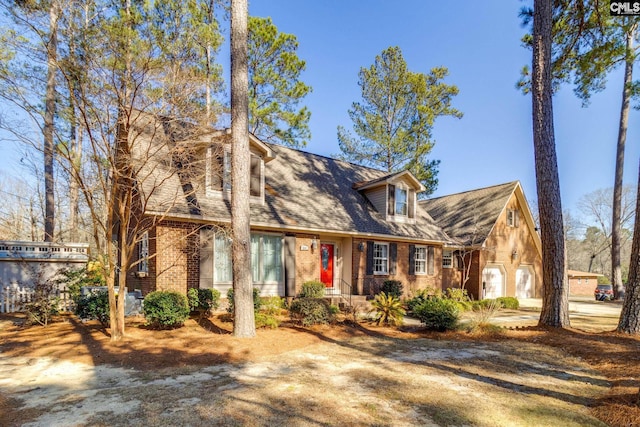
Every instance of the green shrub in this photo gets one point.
(483, 303)
(272, 305)
(510, 303)
(439, 314)
(77, 278)
(266, 320)
(203, 301)
(256, 300)
(94, 305)
(312, 289)
(166, 309)
(44, 302)
(420, 296)
(393, 288)
(388, 309)
(457, 294)
(311, 311)
(465, 305)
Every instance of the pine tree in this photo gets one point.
(394, 122)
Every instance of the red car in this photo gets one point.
(603, 292)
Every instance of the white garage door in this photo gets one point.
(524, 282)
(493, 280)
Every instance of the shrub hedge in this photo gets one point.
(312, 289)
(438, 314)
(166, 309)
(392, 288)
(311, 311)
(510, 303)
(203, 301)
(95, 305)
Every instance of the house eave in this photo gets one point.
(303, 230)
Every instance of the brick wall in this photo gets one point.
(504, 240)
(370, 284)
(307, 262)
(582, 286)
(174, 258)
(145, 284)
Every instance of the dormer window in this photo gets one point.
(401, 201)
(219, 173)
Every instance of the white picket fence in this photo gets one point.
(13, 296)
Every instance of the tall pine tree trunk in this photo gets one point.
(630, 315)
(555, 295)
(49, 113)
(244, 317)
(616, 271)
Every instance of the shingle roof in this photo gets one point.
(469, 217)
(303, 191)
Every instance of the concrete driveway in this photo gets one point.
(584, 313)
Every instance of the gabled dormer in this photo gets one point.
(393, 195)
(218, 172)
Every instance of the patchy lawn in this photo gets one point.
(346, 374)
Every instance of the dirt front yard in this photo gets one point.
(346, 374)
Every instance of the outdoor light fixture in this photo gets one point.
(514, 254)
(314, 244)
(361, 246)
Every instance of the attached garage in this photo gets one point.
(525, 282)
(493, 281)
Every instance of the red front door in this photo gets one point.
(326, 264)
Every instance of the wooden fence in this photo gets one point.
(13, 296)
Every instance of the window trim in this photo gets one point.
(386, 259)
(513, 218)
(400, 190)
(215, 255)
(225, 175)
(143, 255)
(447, 255)
(424, 261)
(261, 262)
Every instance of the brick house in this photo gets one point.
(312, 218)
(496, 246)
(582, 283)
(318, 218)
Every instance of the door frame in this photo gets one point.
(333, 263)
(337, 264)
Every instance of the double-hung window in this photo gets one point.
(219, 172)
(513, 218)
(143, 253)
(401, 201)
(421, 260)
(380, 258)
(447, 259)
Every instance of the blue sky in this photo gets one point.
(480, 44)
